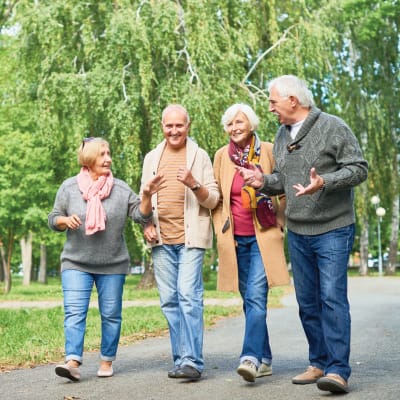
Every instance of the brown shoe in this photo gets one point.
(333, 383)
(310, 375)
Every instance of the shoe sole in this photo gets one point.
(192, 378)
(331, 385)
(304, 381)
(105, 374)
(264, 374)
(65, 373)
(246, 375)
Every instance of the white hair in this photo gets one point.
(290, 85)
(172, 107)
(232, 111)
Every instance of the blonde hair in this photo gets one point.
(232, 111)
(89, 150)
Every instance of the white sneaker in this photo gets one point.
(264, 370)
(247, 370)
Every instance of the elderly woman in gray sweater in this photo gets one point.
(92, 207)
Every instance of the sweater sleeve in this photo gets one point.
(353, 168)
(134, 209)
(59, 209)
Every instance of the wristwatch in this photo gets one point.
(195, 187)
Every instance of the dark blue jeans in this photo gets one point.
(319, 266)
(253, 287)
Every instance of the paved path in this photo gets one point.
(141, 368)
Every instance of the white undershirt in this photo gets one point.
(294, 129)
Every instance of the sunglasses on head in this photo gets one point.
(87, 139)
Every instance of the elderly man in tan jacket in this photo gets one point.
(179, 233)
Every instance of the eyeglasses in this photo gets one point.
(87, 139)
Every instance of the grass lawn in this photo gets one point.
(34, 336)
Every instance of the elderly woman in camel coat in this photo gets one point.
(250, 232)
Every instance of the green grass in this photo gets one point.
(34, 336)
(52, 290)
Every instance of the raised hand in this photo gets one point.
(316, 183)
(154, 185)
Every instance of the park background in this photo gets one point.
(71, 69)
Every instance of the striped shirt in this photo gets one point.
(171, 199)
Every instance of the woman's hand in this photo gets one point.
(71, 222)
(251, 175)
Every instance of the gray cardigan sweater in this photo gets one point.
(104, 252)
(328, 144)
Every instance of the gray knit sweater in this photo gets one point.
(328, 144)
(104, 252)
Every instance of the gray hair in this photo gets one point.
(232, 111)
(171, 107)
(290, 85)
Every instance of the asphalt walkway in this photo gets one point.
(141, 368)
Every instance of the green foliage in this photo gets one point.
(72, 69)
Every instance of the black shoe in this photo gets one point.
(188, 372)
(172, 373)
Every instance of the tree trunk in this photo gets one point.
(148, 280)
(394, 237)
(2, 261)
(6, 260)
(42, 278)
(362, 206)
(26, 254)
(364, 243)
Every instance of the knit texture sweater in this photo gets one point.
(328, 144)
(105, 252)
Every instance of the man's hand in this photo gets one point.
(153, 186)
(150, 233)
(316, 183)
(185, 176)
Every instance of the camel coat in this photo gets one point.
(270, 240)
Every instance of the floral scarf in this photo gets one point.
(93, 192)
(260, 203)
(243, 157)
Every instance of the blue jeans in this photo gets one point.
(253, 287)
(77, 288)
(319, 266)
(178, 272)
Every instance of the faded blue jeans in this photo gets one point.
(77, 288)
(178, 272)
(319, 266)
(253, 287)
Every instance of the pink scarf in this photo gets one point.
(93, 192)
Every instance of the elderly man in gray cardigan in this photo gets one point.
(318, 163)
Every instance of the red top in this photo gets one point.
(242, 217)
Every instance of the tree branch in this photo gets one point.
(124, 69)
(280, 40)
(181, 28)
